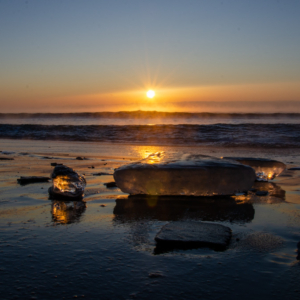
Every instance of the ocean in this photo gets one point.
(158, 128)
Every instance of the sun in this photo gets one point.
(150, 94)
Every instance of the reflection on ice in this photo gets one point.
(137, 208)
(265, 169)
(66, 212)
(143, 215)
(274, 194)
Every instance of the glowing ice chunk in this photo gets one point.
(66, 182)
(190, 175)
(265, 169)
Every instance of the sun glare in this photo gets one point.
(150, 94)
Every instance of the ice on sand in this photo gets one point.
(189, 233)
(189, 175)
(66, 183)
(265, 169)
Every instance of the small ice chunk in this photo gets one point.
(190, 233)
(265, 169)
(66, 182)
(189, 175)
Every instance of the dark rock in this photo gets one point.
(91, 167)
(32, 179)
(261, 193)
(6, 158)
(110, 184)
(101, 173)
(55, 164)
(47, 157)
(193, 234)
(294, 169)
(81, 158)
(7, 152)
(155, 275)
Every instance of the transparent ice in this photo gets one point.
(186, 175)
(66, 182)
(265, 169)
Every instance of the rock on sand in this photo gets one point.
(189, 233)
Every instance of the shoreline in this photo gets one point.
(58, 145)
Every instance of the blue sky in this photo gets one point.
(55, 51)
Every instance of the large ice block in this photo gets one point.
(189, 175)
(265, 169)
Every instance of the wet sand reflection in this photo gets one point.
(67, 212)
(136, 208)
(143, 214)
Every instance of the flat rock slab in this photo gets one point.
(189, 175)
(110, 184)
(264, 168)
(194, 234)
(101, 174)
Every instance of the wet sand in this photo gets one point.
(104, 248)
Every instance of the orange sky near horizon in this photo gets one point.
(213, 56)
(166, 99)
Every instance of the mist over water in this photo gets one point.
(158, 128)
(148, 118)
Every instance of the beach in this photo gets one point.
(150, 150)
(103, 247)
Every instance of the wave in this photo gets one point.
(139, 114)
(243, 135)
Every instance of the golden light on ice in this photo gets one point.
(150, 94)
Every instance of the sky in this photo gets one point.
(197, 55)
